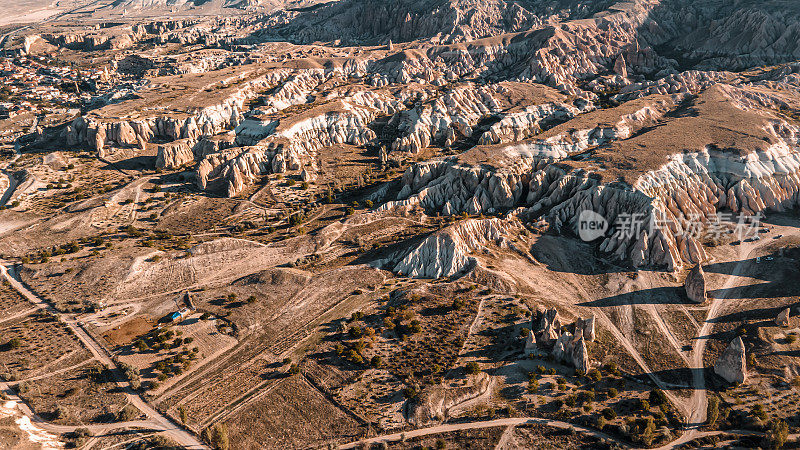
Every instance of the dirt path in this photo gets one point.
(699, 400)
(19, 315)
(25, 408)
(506, 439)
(667, 331)
(509, 422)
(698, 403)
(154, 417)
(55, 372)
(628, 345)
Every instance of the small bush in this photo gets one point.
(14, 343)
(609, 413)
(355, 331)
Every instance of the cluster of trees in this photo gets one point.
(177, 364)
(159, 340)
(402, 321)
(131, 374)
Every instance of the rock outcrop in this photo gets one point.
(434, 402)
(732, 365)
(585, 328)
(447, 252)
(524, 124)
(695, 285)
(549, 326)
(571, 349)
(782, 320)
(530, 343)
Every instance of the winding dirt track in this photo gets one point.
(513, 421)
(698, 403)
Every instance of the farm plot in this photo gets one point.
(83, 395)
(292, 415)
(37, 344)
(163, 354)
(11, 302)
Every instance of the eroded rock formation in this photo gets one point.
(695, 284)
(783, 318)
(433, 403)
(732, 365)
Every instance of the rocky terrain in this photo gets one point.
(285, 224)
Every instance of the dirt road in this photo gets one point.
(512, 421)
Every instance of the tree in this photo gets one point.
(759, 411)
(473, 368)
(218, 437)
(712, 412)
(777, 434)
(355, 331)
(294, 369)
(657, 397)
(141, 345)
(128, 413)
(182, 414)
(131, 374)
(649, 429)
(376, 361)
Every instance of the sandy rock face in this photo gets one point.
(695, 285)
(175, 154)
(579, 356)
(732, 365)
